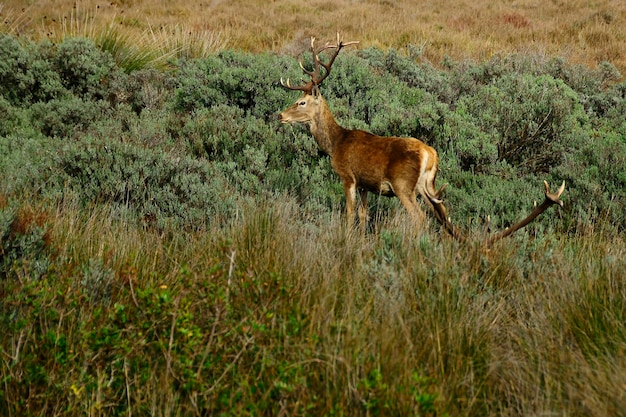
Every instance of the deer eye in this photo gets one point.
(302, 103)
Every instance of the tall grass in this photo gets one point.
(132, 48)
(271, 315)
(186, 43)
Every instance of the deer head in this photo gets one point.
(308, 105)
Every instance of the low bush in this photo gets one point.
(32, 73)
(164, 191)
(248, 82)
(63, 118)
(25, 75)
(532, 121)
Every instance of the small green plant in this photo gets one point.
(374, 391)
(97, 281)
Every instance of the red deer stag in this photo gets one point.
(389, 166)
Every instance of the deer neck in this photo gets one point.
(325, 129)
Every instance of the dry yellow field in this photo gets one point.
(581, 31)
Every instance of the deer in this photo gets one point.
(388, 166)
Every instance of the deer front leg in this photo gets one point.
(350, 190)
(363, 209)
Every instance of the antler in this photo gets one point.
(316, 80)
(551, 198)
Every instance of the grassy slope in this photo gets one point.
(583, 32)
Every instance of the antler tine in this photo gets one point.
(326, 46)
(341, 44)
(554, 197)
(305, 87)
(316, 80)
(551, 198)
(306, 71)
(337, 48)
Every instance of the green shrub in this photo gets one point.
(26, 163)
(144, 89)
(533, 121)
(475, 149)
(63, 118)
(595, 87)
(596, 177)
(12, 119)
(246, 81)
(353, 85)
(33, 73)
(164, 191)
(84, 69)
(607, 108)
(410, 69)
(26, 73)
(255, 156)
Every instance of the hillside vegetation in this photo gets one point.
(584, 32)
(167, 248)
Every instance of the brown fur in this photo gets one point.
(389, 166)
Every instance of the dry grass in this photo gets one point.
(382, 321)
(583, 32)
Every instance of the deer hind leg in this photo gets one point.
(407, 196)
(409, 201)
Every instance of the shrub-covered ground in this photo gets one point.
(167, 248)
